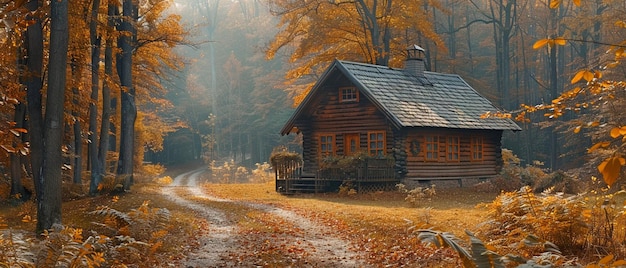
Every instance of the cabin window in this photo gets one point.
(431, 148)
(477, 146)
(327, 144)
(452, 148)
(348, 94)
(376, 143)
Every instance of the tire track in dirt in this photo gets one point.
(222, 233)
(324, 249)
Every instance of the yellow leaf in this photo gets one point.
(612, 64)
(579, 75)
(606, 260)
(610, 170)
(555, 3)
(588, 76)
(602, 144)
(577, 129)
(619, 263)
(540, 43)
(615, 132)
(560, 41)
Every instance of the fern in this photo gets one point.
(482, 256)
(446, 240)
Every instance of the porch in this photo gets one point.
(367, 175)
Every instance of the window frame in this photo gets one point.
(433, 149)
(383, 150)
(453, 141)
(354, 94)
(332, 143)
(476, 141)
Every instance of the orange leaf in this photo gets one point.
(602, 144)
(593, 124)
(606, 260)
(555, 3)
(610, 169)
(577, 129)
(597, 74)
(540, 43)
(576, 2)
(619, 263)
(579, 75)
(560, 41)
(615, 132)
(622, 130)
(588, 76)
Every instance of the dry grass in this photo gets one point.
(379, 224)
(452, 210)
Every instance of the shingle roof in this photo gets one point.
(432, 100)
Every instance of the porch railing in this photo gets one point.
(369, 170)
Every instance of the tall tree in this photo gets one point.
(108, 102)
(129, 108)
(94, 160)
(17, 188)
(49, 205)
(34, 83)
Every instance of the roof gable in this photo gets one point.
(434, 100)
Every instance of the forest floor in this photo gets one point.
(250, 225)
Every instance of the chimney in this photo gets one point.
(415, 62)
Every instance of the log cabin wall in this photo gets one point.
(329, 116)
(420, 167)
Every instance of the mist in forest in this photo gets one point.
(228, 93)
(235, 100)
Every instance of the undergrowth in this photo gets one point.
(417, 195)
(120, 239)
(545, 230)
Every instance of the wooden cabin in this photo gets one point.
(429, 123)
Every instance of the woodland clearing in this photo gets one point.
(250, 225)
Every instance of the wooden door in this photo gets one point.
(351, 143)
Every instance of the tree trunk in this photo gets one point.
(17, 189)
(129, 109)
(33, 82)
(553, 95)
(49, 206)
(106, 123)
(95, 163)
(78, 140)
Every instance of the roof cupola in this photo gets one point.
(415, 60)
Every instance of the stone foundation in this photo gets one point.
(439, 183)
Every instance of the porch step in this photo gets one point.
(303, 186)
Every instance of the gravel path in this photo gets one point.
(324, 249)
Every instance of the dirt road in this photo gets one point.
(226, 245)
